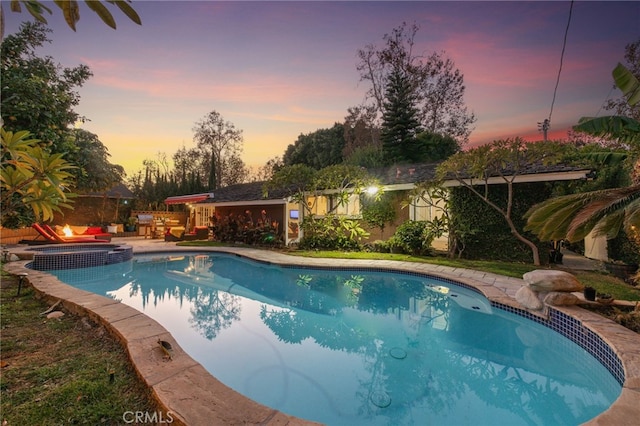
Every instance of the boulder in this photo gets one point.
(529, 299)
(556, 298)
(543, 280)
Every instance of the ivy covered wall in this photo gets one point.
(490, 237)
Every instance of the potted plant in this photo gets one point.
(604, 298)
(130, 225)
(590, 293)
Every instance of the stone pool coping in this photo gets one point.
(182, 387)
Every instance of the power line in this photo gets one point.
(564, 45)
(605, 101)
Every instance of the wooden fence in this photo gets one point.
(13, 236)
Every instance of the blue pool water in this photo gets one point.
(357, 347)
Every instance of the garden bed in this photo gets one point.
(627, 316)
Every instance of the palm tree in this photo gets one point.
(605, 212)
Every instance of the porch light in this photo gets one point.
(372, 190)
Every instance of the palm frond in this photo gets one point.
(574, 216)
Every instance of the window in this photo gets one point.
(322, 204)
(350, 208)
(421, 211)
(317, 205)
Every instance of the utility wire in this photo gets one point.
(564, 45)
(605, 101)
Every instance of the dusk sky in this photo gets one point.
(279, 69)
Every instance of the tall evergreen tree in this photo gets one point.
(400, 123)
(437, 83)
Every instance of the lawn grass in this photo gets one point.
(608, 284)
(58, 371)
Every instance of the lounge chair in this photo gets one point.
(177, 234)
(53, 238)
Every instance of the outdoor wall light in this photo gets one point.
(372, 190)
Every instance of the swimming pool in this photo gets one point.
(360, 347)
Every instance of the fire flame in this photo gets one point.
(67, 231)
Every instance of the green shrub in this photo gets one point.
(624, 249)
(414, 237)
(380, 246)
(331, 233)
(329, 242)
(487, 233)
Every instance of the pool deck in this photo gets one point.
(183, 388)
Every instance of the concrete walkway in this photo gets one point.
(577, 262)
(185, 389)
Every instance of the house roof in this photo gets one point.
(414, 173)
(239, 193)
(399, 176)
(251, 191)
(405, 173)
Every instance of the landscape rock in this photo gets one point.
(529, 299)
(55, 314)
(543, 280)
(555, 298)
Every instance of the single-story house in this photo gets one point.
(240, 198)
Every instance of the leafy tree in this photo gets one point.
(400, 123)
(305, 185)
(155, 182)
(438, 85)
(222, 143)
(504, 160)
(188, 171)
(624, 106)
(233, 170)
(434, 147)
(360, 131)
(318, 149)
(378, 211)
(604, 212)
(267, 171)
(303, 181)
(369, 157)
(94, 171)
(30, 176)
(71, 11)
(38, 94)
(295, 179)
(435, 196)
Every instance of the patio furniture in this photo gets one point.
(177, 234)
(53, 238)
